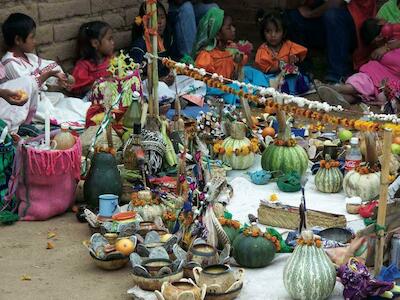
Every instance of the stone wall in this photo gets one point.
(58, 22)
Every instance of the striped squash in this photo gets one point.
(309, 273)
(253, 252)
(238, 140)
(285, 159)
(329, 180)
(365, 186)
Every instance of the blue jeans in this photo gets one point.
(200, 9)
(182, 20)
(335, 31)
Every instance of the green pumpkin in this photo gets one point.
(285, 159)
(238, 140)
(253, 252)
(231, 232)
(329, 180)
(309, 273)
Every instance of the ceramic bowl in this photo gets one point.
(232, 294)
(155, 283)
(153, 266)
(340, 235)
(111, 263)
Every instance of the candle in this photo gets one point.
(47, 129)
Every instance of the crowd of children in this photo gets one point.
(278, 61)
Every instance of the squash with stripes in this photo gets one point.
(309, 273)
(329, 178)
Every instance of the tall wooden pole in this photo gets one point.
(381, 220)
(154, 43)
(150, 68)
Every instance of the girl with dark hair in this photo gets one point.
(20, 61)
(277, 57)
(95, 48)
(383, 70)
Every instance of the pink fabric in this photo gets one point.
(47, 186)
(371, 75)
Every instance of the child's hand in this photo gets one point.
(18, 98)
(65, 81)
(378, 53)
(293, 59)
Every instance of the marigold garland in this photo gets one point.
(254, 231)
(315, 242)
(254, 147)
(288, 143)
(139, 202)
(215, 81)
(365, 169)
(229, 223)
(329, 164)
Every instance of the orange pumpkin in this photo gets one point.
(125, 246)
(268, 131)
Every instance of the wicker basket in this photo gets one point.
(288, 217)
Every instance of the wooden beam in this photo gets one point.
(383, 195)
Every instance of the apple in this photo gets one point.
(345, 135)
(395, 149)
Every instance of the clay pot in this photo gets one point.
(153, 266)
(155, 282)
(103, 178)
(203, 254)
(146, 227)
(217, 278)
(181, 290)
(110, 264)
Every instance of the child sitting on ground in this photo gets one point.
(95, 48)
(19, 36)
(365, 85)
(214, 35)
(18, 100)
(277, 57)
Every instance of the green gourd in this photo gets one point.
(253, 252)
(329, 180)
(284, 158)
(237, 140)
(309, 273)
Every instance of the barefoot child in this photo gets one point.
(19, 36)
(365, 85)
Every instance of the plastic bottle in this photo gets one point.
(65, 140)
(353, 156)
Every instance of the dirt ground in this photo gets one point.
(64, 272)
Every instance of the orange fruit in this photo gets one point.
(125, 246)
(268, 131)
(396, 140)
(255, 121)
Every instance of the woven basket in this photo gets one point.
(288, 217)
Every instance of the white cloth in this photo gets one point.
(14, 115)
(185, 85)
(61, 108)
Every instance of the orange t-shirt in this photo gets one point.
(266, 59)
(218, 61)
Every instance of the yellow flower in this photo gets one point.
(273, 197)
(245, 150)
(254, 148)
(229, 151)
(138, 20)
(216, 148)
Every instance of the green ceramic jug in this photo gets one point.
(103, 178)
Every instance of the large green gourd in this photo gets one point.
(284, 158)
(329, 180)
(253, 252)
(309, 273)
(237, 140)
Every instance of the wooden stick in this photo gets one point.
(247, 111)
(154, 43)
(150, 71)
(387, 141)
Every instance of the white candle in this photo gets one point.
(47, 129)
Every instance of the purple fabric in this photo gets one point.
(358, 283)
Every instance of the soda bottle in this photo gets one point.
(353, 156)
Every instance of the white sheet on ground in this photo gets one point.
(267, 283)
